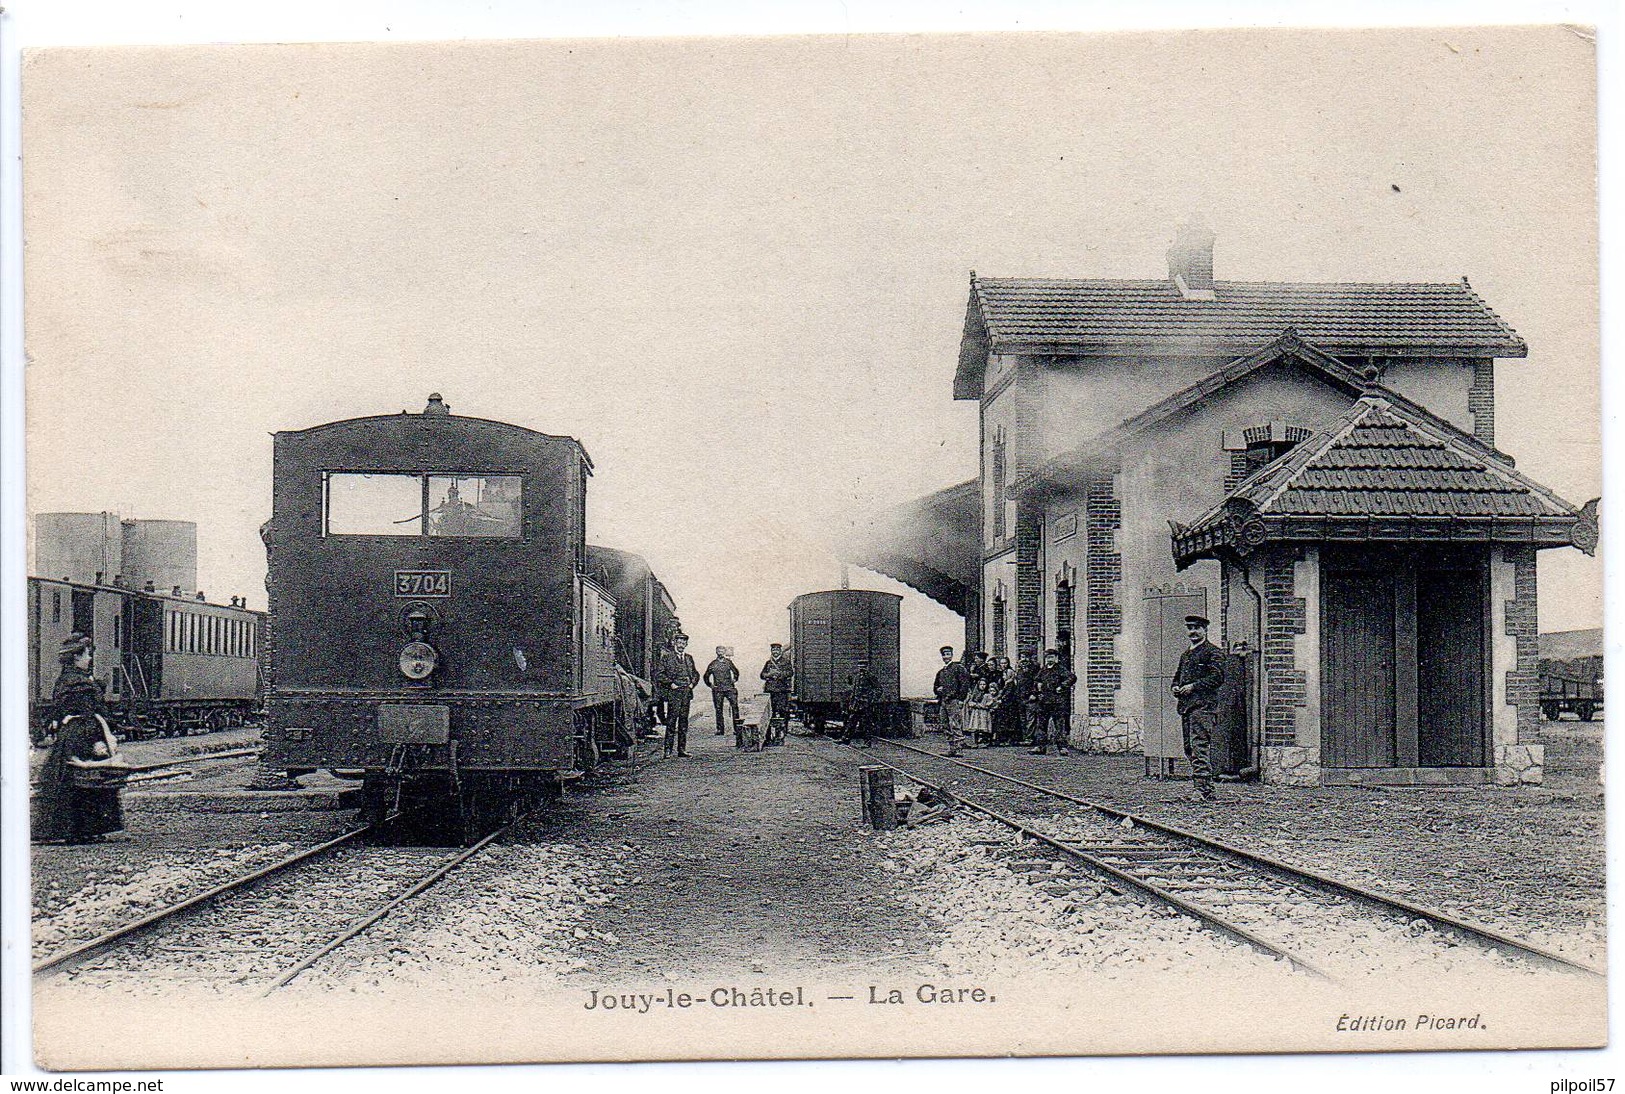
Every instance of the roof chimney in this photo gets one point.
(437, 407)
(1190, 261)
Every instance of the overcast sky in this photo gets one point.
(737, 270)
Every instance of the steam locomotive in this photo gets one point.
(434, 621)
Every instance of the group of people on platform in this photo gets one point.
(987, 701)
(677, 675)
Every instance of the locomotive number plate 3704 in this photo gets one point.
(422, 582)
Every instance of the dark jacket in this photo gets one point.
(677, 672)
(1202, 666)
(952, 683)
(722, 675)
(76, 692)
(1052, 687)
(777, 676)
(1026, 680)
(862, 688)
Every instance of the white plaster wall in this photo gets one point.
(1083, 397)
(997, 413)
(1306, 647)
(1441, 386)
(1503, 652)
(1002, 568)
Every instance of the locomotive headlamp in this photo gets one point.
(418, 660)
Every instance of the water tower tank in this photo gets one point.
(163, 552)
(77, 546)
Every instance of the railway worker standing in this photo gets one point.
(1052, 699)
(1026, 709)
(678, 677)
(68, 811)
(722, 677)
(862, 704)
(1196, 685)
(952, 686)
(778, 679)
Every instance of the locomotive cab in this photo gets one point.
(431, 623)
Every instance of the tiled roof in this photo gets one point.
(1380, 462)
(1027, 315)
(1387, 470)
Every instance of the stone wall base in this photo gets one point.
(1105, 734)
(1520, 765)
(1289, 765)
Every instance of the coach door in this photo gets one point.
(1357, 666)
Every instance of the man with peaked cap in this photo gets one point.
(778, 677)
(862, 704)
(1196, 685)
(1052, 700)
(675, 680)
(722, 677)
(952, 687)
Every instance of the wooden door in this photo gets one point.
(1357, 668)
(1450, 615)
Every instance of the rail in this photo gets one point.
(1475, 932)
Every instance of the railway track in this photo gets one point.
(1326, 927)
(263, 929)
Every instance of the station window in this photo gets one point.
(391, 504)
(56, 606)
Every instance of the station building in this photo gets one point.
(1311, 466)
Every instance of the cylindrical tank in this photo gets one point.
(163, 552)
(830, 632)
(77, 547)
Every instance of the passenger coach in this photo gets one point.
(431, 621)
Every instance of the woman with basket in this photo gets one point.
(77, 799)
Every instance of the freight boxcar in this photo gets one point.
(832, 632)
(1571, 685)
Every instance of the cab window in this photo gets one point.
(374, 505)
(450, 505)
(474, 505)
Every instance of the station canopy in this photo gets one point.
(932, 544)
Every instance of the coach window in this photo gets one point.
(474, 505)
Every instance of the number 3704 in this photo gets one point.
(422, 582)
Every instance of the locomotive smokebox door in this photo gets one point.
(417, 724)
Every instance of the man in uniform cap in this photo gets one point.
(675, 680)
(952, 686)
(778, 677)
(862, 701)
(722, 677)
(1052, 698)
(1196, 685)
